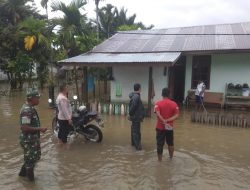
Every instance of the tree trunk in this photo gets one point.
(20, 85)
(13, 84)
(97, 19)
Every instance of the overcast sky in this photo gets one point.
(177, 13)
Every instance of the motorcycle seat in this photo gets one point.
(93, 113)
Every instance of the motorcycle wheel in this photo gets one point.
(93, 133)
(55, 126)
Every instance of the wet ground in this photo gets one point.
(206, 157)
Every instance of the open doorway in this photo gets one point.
(177, 80)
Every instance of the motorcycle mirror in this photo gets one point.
(50, 100)
(75, 97)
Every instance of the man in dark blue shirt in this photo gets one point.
(136, 115)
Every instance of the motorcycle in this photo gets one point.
(85, 123)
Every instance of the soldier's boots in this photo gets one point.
(22, 172)
(30, 174)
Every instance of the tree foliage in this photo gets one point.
(71, 27)
(29, 40)
(12, 51)
(112, 20)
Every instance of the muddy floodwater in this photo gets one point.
(206, 157)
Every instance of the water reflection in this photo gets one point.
(206, 157)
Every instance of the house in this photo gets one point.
(174, 57)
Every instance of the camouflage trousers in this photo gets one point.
(32, 152)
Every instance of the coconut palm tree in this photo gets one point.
(97, 17)
(71, 25)
(123, 19)
(44, 4)
(124, 22)
(112, 20)
(107, 16)
(72, 28)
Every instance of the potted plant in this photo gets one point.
(238, 86)
(245, 85)
(245, 90)
(230, 86)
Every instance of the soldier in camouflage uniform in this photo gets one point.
(30, 134)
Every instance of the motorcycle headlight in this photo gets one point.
(82, 108)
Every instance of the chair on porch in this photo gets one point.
(190, 98)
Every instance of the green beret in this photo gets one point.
(32, 93)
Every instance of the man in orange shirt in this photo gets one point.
(167, 111)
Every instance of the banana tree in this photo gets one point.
(36, 44)
(12, 12)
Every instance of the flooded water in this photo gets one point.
(206, 157)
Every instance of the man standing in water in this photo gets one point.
(167, 111)
(30, 134)
(136, 115)
(199, 95)
(64, 115)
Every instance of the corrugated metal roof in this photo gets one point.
(109, 58)
(184, 39)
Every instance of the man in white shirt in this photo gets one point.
(199, 94)
(64, 115)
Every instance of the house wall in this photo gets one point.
(225, 68)
(188, 74)
(160, 81)
(126, 76)
(3, 76)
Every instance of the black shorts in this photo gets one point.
(64, 129)
(198, 99)
(166, 135)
